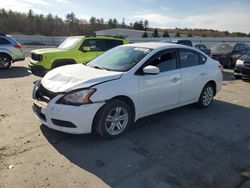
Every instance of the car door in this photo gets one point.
(90, 49)
(160, 92)
(193, 73)
(237, 52)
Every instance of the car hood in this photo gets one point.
(47, 50)
(71, 77)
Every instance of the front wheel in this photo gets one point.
(113, 119)
(5, 61)
(206, 97)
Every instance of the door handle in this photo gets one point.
(175, 79)
(203, 74)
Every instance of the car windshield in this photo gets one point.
(70, 43)
(224, 48)
(121, 58)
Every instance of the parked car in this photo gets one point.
(185, 42)
(242, 66)
(78, 49)
(203, 48)
(129, 82)
(228, 53)
(10, 51)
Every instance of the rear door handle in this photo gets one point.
(175, 79)
(203, 74)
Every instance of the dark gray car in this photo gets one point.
(203, 48)
(228, 53)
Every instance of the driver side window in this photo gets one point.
(165, 62)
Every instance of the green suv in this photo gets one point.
(78, 49)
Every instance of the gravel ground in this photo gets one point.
(185, 147)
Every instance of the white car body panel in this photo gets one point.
(149, 94)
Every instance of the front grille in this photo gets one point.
(42, 94)
(247, 64)
(36, 57)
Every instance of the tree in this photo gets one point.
(165, 34)
(92, 20)
(145, 35)
(155, 34)
(146, 24)
(123, 23)
(190, 34)
(177, 34)
(138, 25)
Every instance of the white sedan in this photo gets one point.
(124, 84)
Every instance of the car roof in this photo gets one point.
(97, 37)
(158, 45)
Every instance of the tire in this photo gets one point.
(206, 97)
(107, 123)
(237, 76)
(5, 61)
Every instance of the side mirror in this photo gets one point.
(152, 70)
(86, 48)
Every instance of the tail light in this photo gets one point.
(221, 67)
(18, 46)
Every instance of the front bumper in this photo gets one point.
(37, 70)
(65, 118)
(242, 70)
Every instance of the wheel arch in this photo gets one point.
(8, 55)
(66, 61)
(213, 83)
(123, 98)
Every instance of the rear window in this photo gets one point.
(4, 41)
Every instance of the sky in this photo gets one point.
(224, 15)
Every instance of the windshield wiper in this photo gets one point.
(97, 67)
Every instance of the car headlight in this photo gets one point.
(78, 97)
(239, 62)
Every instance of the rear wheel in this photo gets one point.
(113, 119)
(5, 61)
(237, 76)
(206, 97)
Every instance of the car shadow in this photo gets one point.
(14, 72)
(184, 147)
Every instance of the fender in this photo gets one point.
(5, 51)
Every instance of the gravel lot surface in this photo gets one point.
(185, 147)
